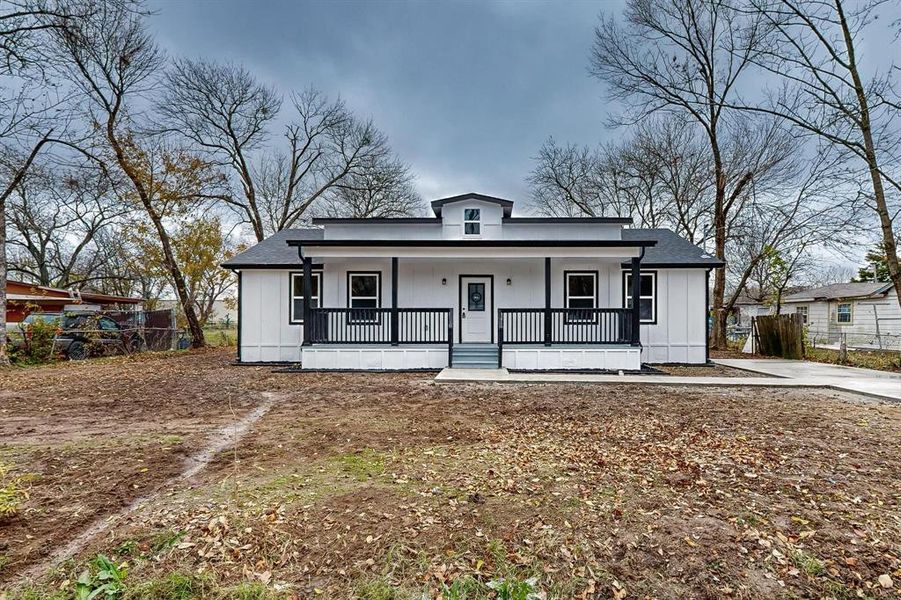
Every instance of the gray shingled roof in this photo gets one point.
(671, 250)
(839, 290)
(274, 251)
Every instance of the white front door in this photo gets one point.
(476, 309)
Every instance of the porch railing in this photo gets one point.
(564, 326)
(381, 326)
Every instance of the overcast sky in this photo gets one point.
(466, 92)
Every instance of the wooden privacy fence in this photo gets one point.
(779, 335)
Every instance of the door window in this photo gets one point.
(476, 295)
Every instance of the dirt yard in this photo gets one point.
(392, 486)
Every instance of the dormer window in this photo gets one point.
(472, 221)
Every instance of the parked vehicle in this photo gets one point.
(84, 334)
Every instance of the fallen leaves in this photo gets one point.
(612, 492)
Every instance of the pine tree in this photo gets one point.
(876, 256)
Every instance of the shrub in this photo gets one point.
(36, 343)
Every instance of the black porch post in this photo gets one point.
(394, 323)
(636, 304)
(307, 300)
(547, 301)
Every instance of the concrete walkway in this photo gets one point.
(864, 381)
(889, 389)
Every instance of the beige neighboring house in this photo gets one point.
(863, 315)
(224, 311)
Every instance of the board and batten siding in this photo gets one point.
(680, 334)
(266, 334)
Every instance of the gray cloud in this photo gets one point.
(466, 91)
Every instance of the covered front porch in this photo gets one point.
(475, 304)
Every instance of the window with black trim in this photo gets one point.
(364, 294)
(647, 296)
(296, 316)
(472, 221)
(581, 292)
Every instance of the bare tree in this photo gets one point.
(55, 217)
(112, 59)
(772, 236)
(685, 57)
(29, 115)
(568, 181)
(826, 94)
(382, 189)
(224, 110)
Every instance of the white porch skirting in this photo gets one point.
(374, 358)
(608, 358)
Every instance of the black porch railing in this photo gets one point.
(565, 326)
(381, 326)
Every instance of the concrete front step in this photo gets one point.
(475, 356)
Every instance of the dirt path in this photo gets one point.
(221, 440)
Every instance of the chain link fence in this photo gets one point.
(860, 340)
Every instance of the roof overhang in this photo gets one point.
(615, 249)
(570, 220)
(376, 221)
(681, 265)
(506, 205)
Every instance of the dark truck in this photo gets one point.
(83, 334)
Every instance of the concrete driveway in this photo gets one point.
(864, 381)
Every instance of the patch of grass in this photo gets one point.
(194, 586)
(12, 493)
(362, 465)
(219, 336)
(512, 588)
(175, 586)
(164, 540)
(171, 440)
(466, 588)
(881, 361)
(807, 563)
(381, 589)
(839, 591)
(35, 593)
(248, 591)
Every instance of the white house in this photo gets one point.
(473, 286)
(863, 315)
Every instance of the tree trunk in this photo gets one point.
(178, 280)
(885, 220)
(181, 288)
(719, 224)
(4, 358)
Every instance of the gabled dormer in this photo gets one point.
(472, 216)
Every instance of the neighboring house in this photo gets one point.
(473, 286)
(24, 298)
(865, 315)
(747, 306)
